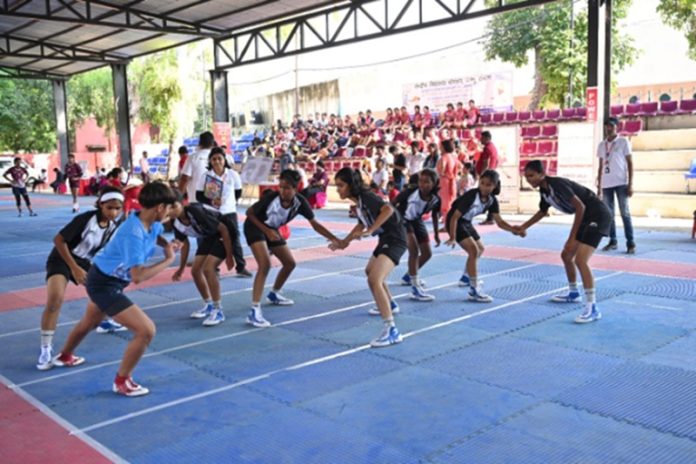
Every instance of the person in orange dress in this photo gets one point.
(448, 169)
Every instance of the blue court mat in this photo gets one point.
(514, 380)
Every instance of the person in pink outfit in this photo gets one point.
(448, 170)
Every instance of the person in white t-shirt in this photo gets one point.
(195, 166)
(144, 168)
(218, 189)
(615, 178)
(415, 159)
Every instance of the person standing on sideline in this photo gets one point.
(17, 175)
(196, 166)
(73, 172)
(448, 169)
(615, 178)
(144, 169)
(487, 160)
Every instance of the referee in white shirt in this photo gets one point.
(615, 178)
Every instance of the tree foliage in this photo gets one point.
(90, 94)
(159, 89)
(544, 33)
(27, 119)
(681, 15)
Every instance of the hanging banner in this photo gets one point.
(591, 99)
(222, 131)
(576, 153)
(489, 91)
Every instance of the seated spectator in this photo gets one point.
(58, 184)
(392, 191)
(40, 181)
(380, 177)
(318, 182)
(473, 114)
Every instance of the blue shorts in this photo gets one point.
(107, 292)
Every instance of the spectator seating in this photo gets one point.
(687, 107)
(632, 110)
(669, 107)
(631, 127)
(648, 109)
(539, 115)
(524, 116)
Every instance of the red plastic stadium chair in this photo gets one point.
(580, 114)
(567, 114)
(553, 115)
(533, 132)
(549, 131)
(617, 110)
(498, 118)
(486, 118)
(632, 109)
(669, 107)
(687, 107)
(648, 109)
(360, 151)
(632, 127)
(539, 115)
(546, 148)
(511, 117)
(528, 149)
(524, 116)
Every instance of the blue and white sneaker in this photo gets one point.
(203, 313)
(277, 299)
(389, 336)
(418, 294)
(570, 297)
(464, 281)
(476, 295)
(256, 318)
(394, 307)
(589, 316)
(45, 358)
(110, 326)
(216, 316)
(406, 281)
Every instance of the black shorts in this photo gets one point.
(391, 246)
(107, 292)
(211, 246)
(253, 234)
(74, 184)
(56, 265)
(595, 224)
(17, 191)
(466, 229)
(418, 229)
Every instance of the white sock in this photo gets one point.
(276, 291)
(473, 282)
(389, 322)
(590, 297)
(47, 337)
(573, 287)
(256, 305)
(208, 301)
(414, 280)
(217, 304)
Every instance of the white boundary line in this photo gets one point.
(72, 372)
(92, 443)
(310, 362)
(232, 292)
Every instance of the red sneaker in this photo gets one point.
(67, 360)
(126, 386)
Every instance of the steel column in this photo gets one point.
(60, 104)
(119, 78)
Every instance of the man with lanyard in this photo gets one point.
(615, 178)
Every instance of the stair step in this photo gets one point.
(671, 139)
(663, 160)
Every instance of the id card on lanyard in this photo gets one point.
(608, 147)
